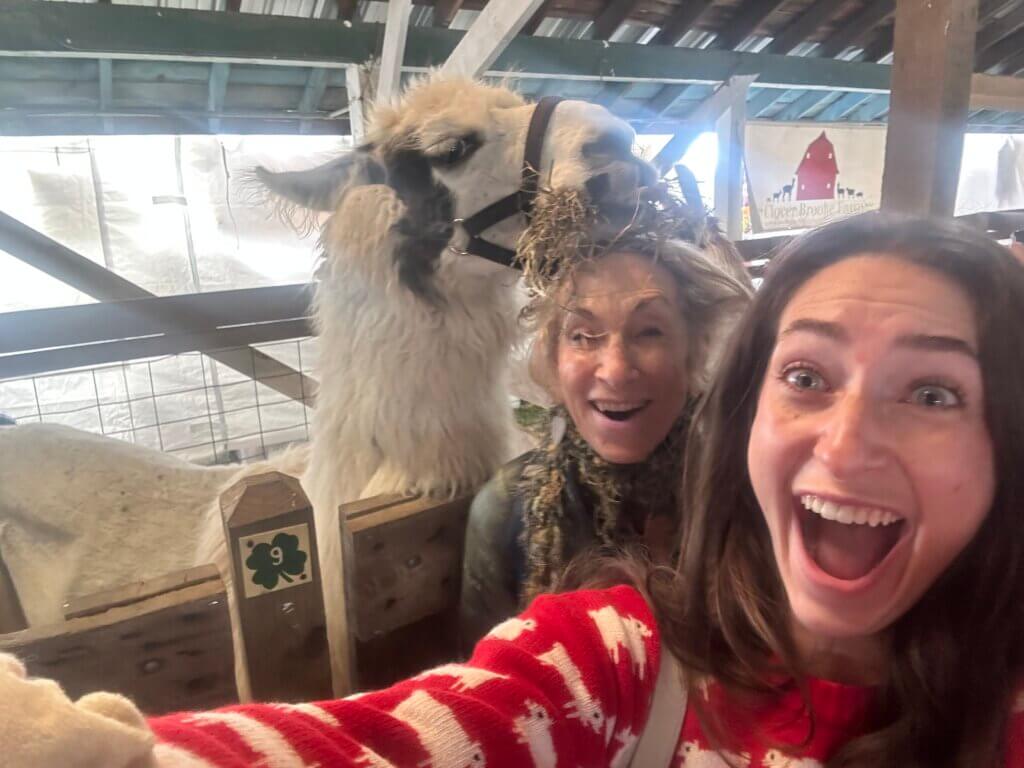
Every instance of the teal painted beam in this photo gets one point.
(841, 107)
(218, 86)
(802, 105)
(762, 101)
(873, 108)
(313, 93)
(136, 32)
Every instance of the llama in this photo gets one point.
(414, 341)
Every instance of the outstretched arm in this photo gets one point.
(567, 683)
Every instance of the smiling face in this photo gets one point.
(869, 453)
(621, 356)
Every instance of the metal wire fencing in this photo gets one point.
(187, 404)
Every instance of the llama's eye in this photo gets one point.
(450, 152)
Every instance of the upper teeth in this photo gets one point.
(617, 407)
(850, 515)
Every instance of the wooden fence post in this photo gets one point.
(275, 569)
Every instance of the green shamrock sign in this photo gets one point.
(281, 558)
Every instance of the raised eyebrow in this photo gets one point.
(933, 343)
(825, 328)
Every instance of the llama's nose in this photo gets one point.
(609, 146)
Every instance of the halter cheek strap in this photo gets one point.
(518, 202)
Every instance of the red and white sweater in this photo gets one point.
(568, 684)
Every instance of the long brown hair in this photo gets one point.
(956, 656)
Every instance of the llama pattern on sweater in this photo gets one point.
(560, 699)
(692, 756)
(511, 629)
(440, 732)
(626, 740)
(466, 678)
(773, 758)
(534, 729)
(584, 706)
(622, 632)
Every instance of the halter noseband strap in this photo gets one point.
(518, 202)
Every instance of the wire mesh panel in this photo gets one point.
(187, 404)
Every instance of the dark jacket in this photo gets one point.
(494, 564)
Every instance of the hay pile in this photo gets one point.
(567, 230)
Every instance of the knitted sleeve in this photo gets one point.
(1015, 733)
(567, 683)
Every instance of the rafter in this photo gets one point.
(763, 101)
(1000, 28)
(805, 25)
(681, 22)
(444, 12)
(530, 28)
(852, 30)
(612, 17)
(744, 22)
(842, 107)
(346, 9)
(879, 47)
(1003, 51)
(804, 104)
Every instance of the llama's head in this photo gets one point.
(451, 147)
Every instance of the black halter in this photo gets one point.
(518, 202)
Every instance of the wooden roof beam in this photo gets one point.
(393, 52)
(612, 17)
(931, 90)
(999, 28)
(804, 104)
(530, 28)
(492, 31)
(681, 22)
(744, 22)
(346, 9)
(1003, 51)
(842, 107)
(851, 31)
(444, 12)
(881, 46)
(805, 25)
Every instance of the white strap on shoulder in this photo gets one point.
(656, 746)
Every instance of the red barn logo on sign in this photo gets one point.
(816, 176)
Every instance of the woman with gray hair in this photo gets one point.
(626, 329)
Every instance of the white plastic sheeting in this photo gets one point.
(174, 215)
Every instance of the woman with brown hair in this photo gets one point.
(850, 591)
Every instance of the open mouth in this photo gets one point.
(619, 411)
(845, 541)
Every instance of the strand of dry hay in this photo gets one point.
(567, 230)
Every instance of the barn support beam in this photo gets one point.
(492, 31)
(389, 80)
(612, 17)
(217, 88)
(803, 26)
(931, 87)
(358, 84)
(59, 261)
(704, 118)
(731, 127)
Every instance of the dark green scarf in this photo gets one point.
(565, 480)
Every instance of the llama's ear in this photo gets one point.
(688, 186)
(320, 188)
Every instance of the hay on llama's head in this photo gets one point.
(449, 147)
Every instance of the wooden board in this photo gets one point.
(168, 652)
(931, 87)
(407, 562)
